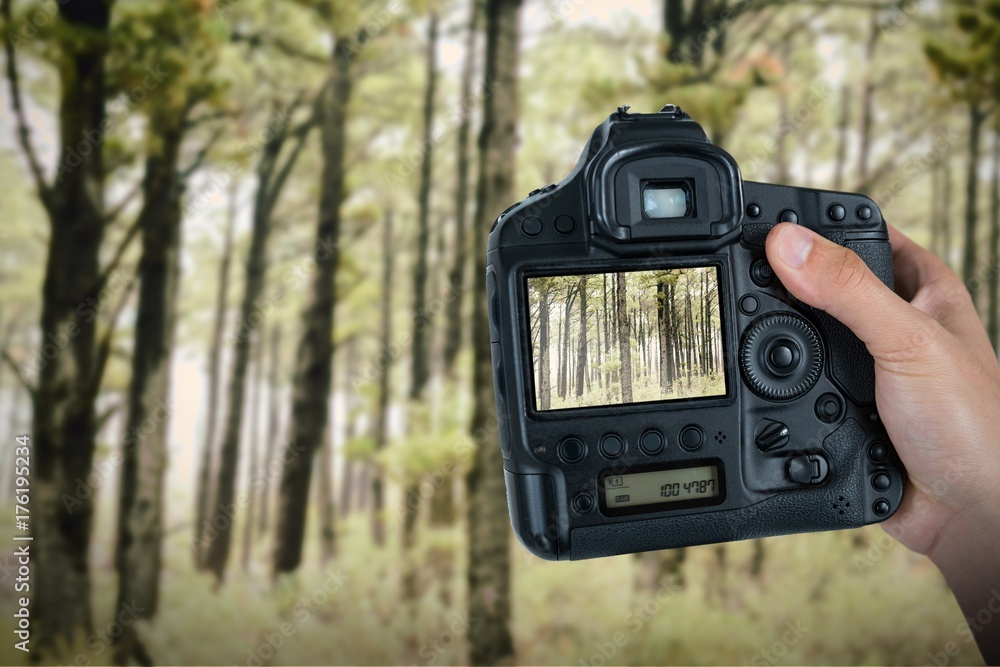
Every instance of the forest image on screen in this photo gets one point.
(632, 337)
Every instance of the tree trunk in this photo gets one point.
(581, 362)
(327, 534)
(867, 99)
(382, 404)
(273, 425)
(993, 316)
(205, 467)
(544, 354)
(217, 530)
(460, 257)
(843, 124)
(624, 345)
(253, 469)
(144, 451)
(63, 428)
(314, 361)
(976, 118)
(489, 637)
(420, 368)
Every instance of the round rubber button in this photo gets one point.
(583, 502)
(781, 356)
(691, 437)
(565, 224)
(881, 481)
(878, 452)
(651, 442)
(753, 211)
(881, 507)
(836, 213)
(749, 304)
(788, 215)
(531, 226)
(761, 272)
(829, 408)
(864, 213)
(612, 445)
(572, 450)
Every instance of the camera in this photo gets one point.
(656, 386)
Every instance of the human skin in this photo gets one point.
(937, 385)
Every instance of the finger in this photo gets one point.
(832, 278)
(929, 285)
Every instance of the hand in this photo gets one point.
(937, 387)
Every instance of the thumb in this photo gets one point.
(834, 279)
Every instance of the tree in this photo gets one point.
(253, 467)
(544, 354)
(581, 361)
(64, 422)
(272, 173)
(273, 422)
(382, 400)
(490, 640)
(624, 342)
(203, 491)
(460, 251)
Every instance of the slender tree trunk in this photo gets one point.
(204, 490)
(273, 425)
(64, 425)
(993, 316)
(327, 529)
(314, 366)
(661, 332)
(843, 125)
(420, 368)
(581, 362)
(382, 403)
(544, 356)
(144, 451)
(867, 99)
(624, 345)
(976, 118)
(253, 469)
(217, 530)
(490, 640)
(350, 468)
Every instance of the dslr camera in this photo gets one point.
(656, 386)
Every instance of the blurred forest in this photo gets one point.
(243, 319)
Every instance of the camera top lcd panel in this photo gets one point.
(656, 386)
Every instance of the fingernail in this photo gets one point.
(794, 246)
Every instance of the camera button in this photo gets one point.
(881, 507)
(829, 408)
(572, 450)
(864, 213)
(836, 213)
(565, 224)
(691, 437)
(788, 215)
(878, 452)
(808, 469)
(770, 435)
(612, 446)
(583, 503)
(753, 211)
(761, 272)
(651, 442)
(749, 304)
(531, 226)
(881, 481)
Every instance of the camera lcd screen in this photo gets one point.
(667, 200)
(661, 486)
(620, 338)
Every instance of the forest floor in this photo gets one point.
(830, 598)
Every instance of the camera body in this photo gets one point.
(656, 386)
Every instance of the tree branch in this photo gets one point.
(23, 133)
(130, 235)
(129, 197)
(19, 373)
(200, 156)
(104, 348)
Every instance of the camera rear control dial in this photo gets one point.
(780, 357)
